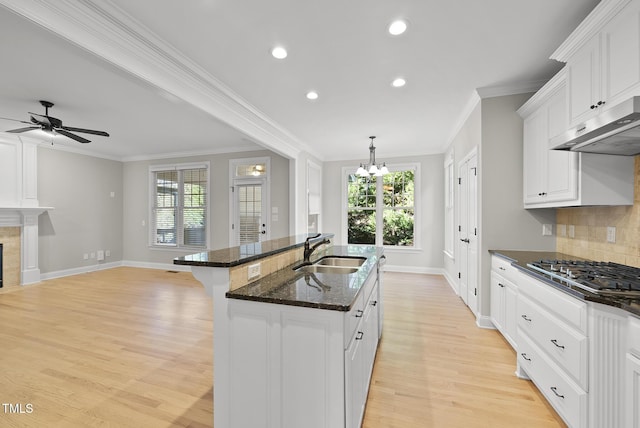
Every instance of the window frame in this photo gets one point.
(346, 171)
(179, 167)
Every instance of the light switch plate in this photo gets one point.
(562, 230)
(611, 234)
(572, 231)
(253, 271)
(547, 230)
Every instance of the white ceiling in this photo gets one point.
(339, 48)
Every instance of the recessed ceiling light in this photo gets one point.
(398, 83)
(279, 52)
(397, 27)
(312, 95)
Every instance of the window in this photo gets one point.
(381, 210)
(179, 205)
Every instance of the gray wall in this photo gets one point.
(496, 129)
(85, 217)
(429, 256)
(136, 203)
(505, 224)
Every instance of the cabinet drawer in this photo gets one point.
(567, 347)
(353, 318)
(634, 335)
(568, 309)
(569, 400)
(503, 267)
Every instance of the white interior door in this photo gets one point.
(468, 231)
(250, 208)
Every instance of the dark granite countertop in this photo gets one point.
(520, 259)
(234, 256)
(335, 292)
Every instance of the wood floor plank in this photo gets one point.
(132, 347)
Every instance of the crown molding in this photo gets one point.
(108, 32)
(543, 94)
(513, 89)
(197, 153)
(473, 101)
(588, 28)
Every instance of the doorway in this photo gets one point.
(249, 199)
(468, 230)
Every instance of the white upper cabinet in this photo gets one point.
(603, 59)
(550, 176)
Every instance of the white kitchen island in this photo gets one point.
(294, 348)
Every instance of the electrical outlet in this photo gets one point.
(562, 230)
(572, 231)
(92, 255)
(85, 256)
(547, 230)
(253, 271)
(107, 253)
(611, 234)
(100, 255)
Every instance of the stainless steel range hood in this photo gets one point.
(613, 132)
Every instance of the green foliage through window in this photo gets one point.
(396, 208)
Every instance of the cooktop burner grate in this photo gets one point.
(605, 278)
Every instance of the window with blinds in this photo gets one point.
(180, 207)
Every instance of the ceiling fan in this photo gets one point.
(53, 125)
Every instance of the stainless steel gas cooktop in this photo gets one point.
(602, 278)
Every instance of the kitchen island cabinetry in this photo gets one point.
(296, 347)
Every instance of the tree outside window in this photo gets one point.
(381, 209)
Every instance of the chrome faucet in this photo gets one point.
(308, 250)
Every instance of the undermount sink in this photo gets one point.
(317, 268)
(341, 261)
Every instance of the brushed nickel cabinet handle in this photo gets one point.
(555, 342)
(555, 391)
(526, 318)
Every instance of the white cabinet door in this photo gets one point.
(534, 164)
(497, 301)
(354, 381)
(511, 313)
(621, 56)
(584, 82)
(632, 394)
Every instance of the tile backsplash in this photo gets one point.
(590, 230)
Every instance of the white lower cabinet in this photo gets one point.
(504, 297)
(294, 367)
(632, 375)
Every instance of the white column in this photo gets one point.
(29, 175)
(29, 241)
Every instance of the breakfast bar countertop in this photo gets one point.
(333, 291)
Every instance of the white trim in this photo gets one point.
(79, 270)
(179, 166)
(588, 28)
(110, 33)
(159, 266)
(451, 281)
(414, 269)
(265, 181)
(483, 321)
(185, 154)
(515, 89)
(473, 101)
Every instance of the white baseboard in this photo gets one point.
(78, 270)
(413, 269)
(161, 266)
(484, 321)
(452, 282)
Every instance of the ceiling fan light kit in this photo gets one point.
(52, 125)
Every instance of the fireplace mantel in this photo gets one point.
(15, 216)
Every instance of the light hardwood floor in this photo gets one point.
(132, 348)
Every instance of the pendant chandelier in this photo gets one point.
(372, 168)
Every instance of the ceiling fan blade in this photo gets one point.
(15, 120)
(86, 131)
(41, 119)
(28, 128)
(73, 136)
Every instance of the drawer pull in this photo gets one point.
(501, 285)
(526, 318)
(555, 342)
(525, 357)
(359, 335)
(501, 268)
(375, 302)
(555, 391)
(359, 313)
